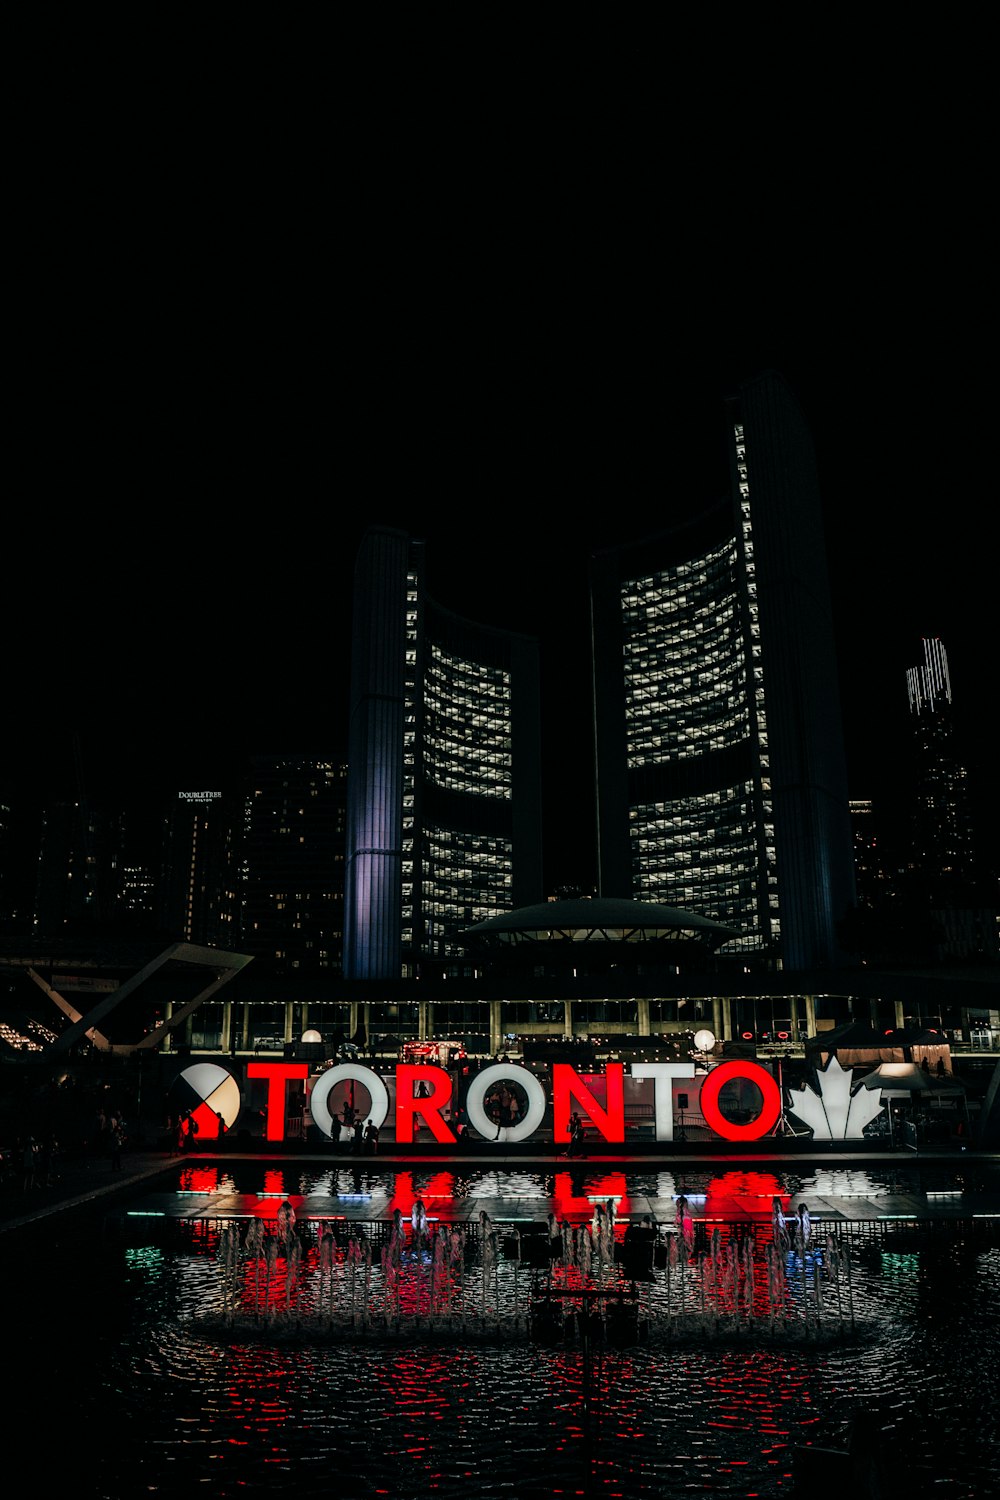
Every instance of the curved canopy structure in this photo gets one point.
(603, 921)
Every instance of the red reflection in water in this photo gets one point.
(739, 1193)
(440, 1185)
(403, 1193)
(574, 1194)
(267, 1208)
(272, 1194)
(199, 1180)
(437, 1193)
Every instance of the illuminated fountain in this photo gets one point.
(484, 1281)
(443, 1281)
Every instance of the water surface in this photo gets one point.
(132, 1389)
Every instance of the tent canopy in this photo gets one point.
(902, 1077)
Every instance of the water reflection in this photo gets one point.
(152, 1404)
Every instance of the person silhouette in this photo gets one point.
(28, 1161)
(117, 1142)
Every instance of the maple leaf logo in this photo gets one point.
(835, 1114)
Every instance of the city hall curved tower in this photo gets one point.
(444, 770)
(719, 749)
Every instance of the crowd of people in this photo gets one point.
(359, 1133)
(37, 1156)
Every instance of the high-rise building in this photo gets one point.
(78, 882)
(6, 869)
(198, 894)
(292, 873)
(444, 778)
(719, 751)
(871, 877)
(941, 845)
(948, 891)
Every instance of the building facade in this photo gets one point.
(942, 843)
(948, 890)
(198, 890)
(79, 872)
(291, 878)
(719, 751)
(444, 770)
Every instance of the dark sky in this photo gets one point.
(193, 604)
(233, 349)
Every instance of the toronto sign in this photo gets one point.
(424, 1094)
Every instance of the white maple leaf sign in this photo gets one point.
(835, 1114)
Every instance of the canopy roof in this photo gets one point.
(910, 1077)
(600, 920)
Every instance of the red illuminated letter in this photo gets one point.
(279, 1075)
(714, 1117)
(567, 1083)
(408, 1075)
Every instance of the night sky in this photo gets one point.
(210, 616)
(515, 344)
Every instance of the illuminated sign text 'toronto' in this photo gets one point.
(570, 1090)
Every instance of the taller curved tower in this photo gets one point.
(720, 766)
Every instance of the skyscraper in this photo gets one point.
(79, 877)
(941, 848)
(720, 766)
(198, 890)
(444, 769)
(292, 875)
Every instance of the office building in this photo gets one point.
(444, 779)
(292, 865)
(950, 895)
(78, 881)
(941, 846)
(720, 766)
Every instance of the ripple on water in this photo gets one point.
(183, 1412)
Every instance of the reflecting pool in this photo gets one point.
(152, 1357)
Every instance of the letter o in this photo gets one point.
(326, 1082)
(709, 1100)
(480, 1120)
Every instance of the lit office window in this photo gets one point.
(701, 854)
(466, 878)
(467, 726)
(685, 670)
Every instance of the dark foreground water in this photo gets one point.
(134, 1368)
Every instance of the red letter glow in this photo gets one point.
(717, 1121)
(408, 1075)
(567, 1083)
(279, 1076)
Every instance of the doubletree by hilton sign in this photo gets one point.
(835, 1115)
